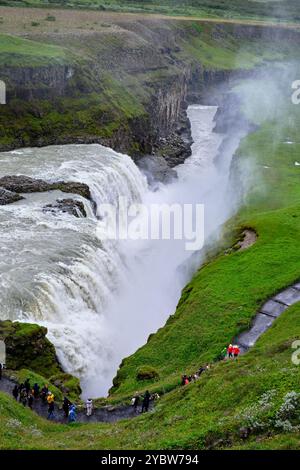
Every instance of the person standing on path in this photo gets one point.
(230, 351)
(136, 402)
(51, 411)
(44, 393)
(72, 414)
(66, 406)
(15, 392)
(23, 397)
(30, 400)
(27, 386)
(146, 402)
(36, 390)
(89, 407)
(236, 351)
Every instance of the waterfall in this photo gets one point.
(100, 299)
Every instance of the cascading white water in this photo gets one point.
(101, 299)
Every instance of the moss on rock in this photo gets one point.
(28, 348)
(67, 384)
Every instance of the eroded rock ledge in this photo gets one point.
(26, 184)
(8, 197)
(68, 206)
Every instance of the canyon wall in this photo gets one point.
(126, 86)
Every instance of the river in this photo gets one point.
(100, 299)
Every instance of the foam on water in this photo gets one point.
(101, 299)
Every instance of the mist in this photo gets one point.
(101, 299)
(157, 270)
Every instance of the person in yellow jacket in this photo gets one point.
(50, 398)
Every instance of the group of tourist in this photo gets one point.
(229, 352)
(186, 379)
(142, 403)
(26, 395)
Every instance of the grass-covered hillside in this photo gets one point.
(251, 403)
(223, 297)
(274, 9)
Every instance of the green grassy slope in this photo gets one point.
(254, 393)
(208, 413)
(224, 295)
(21, 52)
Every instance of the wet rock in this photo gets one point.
(156, 169)
(26, 184)
(8, 197)
(174, 149)
(69, 206)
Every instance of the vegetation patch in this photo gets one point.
(147, 373)
(28, 347)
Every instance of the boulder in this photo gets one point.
(28, 348)
(26, 184)
(69, 206)
(8, 197)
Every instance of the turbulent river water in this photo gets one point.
(100, 299)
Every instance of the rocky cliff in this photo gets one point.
(125, 84)
(28, 348)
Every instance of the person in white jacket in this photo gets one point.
(89, 407)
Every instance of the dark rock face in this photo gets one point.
(8, 197)
(28, 348)
(174, 149)
(69, 206)
(26, 184)
(23, 184)
(156, 170)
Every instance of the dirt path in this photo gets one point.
(268, 313)
(106, 414)
(18, 20)
(249, 239)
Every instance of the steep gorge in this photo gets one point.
(127, 84)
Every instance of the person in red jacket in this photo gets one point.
(230, 351)
(236, 351)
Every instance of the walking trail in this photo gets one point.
(268, 313)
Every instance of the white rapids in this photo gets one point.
(101, 299)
